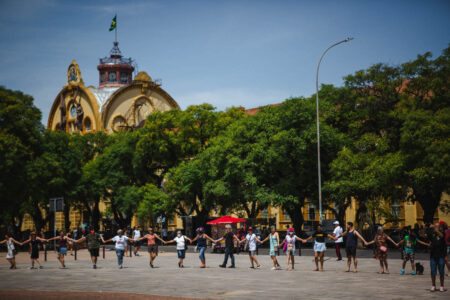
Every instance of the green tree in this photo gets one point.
(20, 136)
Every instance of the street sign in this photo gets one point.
(56, 204)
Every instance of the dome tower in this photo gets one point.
(115, 70)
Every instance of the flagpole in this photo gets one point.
(115, 29)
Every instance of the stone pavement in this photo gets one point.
(138, 281)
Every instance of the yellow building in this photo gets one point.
(120, 102)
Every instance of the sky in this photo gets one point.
(227, 53)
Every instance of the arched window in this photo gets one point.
(119, 124)
(73, 110)
(87, 124)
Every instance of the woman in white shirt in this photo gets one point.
(250, 244)
(121, 242)
(137, 241)
(180, 239)
(290, 249)
(10, 256)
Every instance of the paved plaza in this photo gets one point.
(138, 281)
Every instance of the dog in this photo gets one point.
(419, 268)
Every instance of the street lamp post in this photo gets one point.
(318, 124)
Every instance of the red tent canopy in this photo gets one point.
(226, 220)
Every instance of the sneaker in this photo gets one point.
(222, 266)
(32, 268)
(413, 273)
(231, 267)
(41, 267)
(441, 289)
(94, 266)
(433, 289)
(121, 267)
(258, 267)
(402, 271)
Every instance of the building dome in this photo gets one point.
(143, 76)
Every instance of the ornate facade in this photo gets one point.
(120, 102)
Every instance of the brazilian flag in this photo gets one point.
(113, 23)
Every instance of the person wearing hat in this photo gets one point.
(337, 233)
(201, 245)
(93, 240)
(290, 240)
(250, 244)
(229, 238)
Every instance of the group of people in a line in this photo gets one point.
(438, 241)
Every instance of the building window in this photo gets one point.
(286, 216)
(119, 124)
(264, 213)
(87, 124)
(73, 110)
(112, 77)
(123, 77)
(103, 77)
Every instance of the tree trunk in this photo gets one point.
(429, 205)
(296, 217)
(67, 218)
(96, 215)
(37, 217)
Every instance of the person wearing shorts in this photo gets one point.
(274, 239)
(93, 244)
(351, 244)
(319, 246)
(10, 255)
(180, 240)
(250, 243)
(409, 248)
(34, 242)
(381, 251)
(152, 247)
(290, 240)
(62, 247)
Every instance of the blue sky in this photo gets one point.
(227, 53)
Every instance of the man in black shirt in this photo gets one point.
(229, 238)
(319, 246)
(438, 252)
